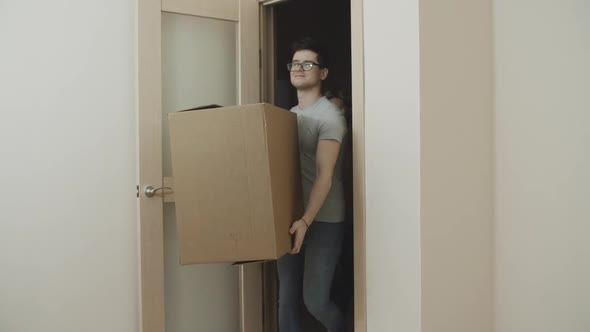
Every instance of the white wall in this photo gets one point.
(429, 165)
(543, 165)
(67, 141)
(457, 161)
(392, 129)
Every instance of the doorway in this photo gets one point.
(249, 35)
(329, 22)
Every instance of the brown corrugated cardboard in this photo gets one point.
(236, 182)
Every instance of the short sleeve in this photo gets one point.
(333, 129)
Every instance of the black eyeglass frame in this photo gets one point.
(302, 65)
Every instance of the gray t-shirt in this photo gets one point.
(322, 120)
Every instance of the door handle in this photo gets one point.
(150, 191)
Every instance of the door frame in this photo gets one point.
(358, 164)
(151, 300)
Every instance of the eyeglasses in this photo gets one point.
(306, 66)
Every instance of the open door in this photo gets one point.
(236, 23)
(252, 39)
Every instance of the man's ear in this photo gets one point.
(324, 73)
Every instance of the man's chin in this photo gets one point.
(300, 85)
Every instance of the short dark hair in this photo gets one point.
(313, 45)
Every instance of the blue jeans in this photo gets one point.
(308, 276)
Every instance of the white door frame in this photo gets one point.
(358, 164)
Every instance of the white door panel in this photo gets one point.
(199, 59)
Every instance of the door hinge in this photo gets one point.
(137, 194)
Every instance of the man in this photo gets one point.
(307, 272)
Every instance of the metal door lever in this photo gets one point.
(150, 191)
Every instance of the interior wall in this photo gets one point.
(429, 165)
(392, 166)
(543, 161)
(68, 249)
(457, 160)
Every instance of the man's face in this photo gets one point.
(307, 79)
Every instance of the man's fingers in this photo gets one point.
(296, 247)
(298, 238)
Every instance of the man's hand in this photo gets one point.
(298, 230)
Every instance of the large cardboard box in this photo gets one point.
(237, 182)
